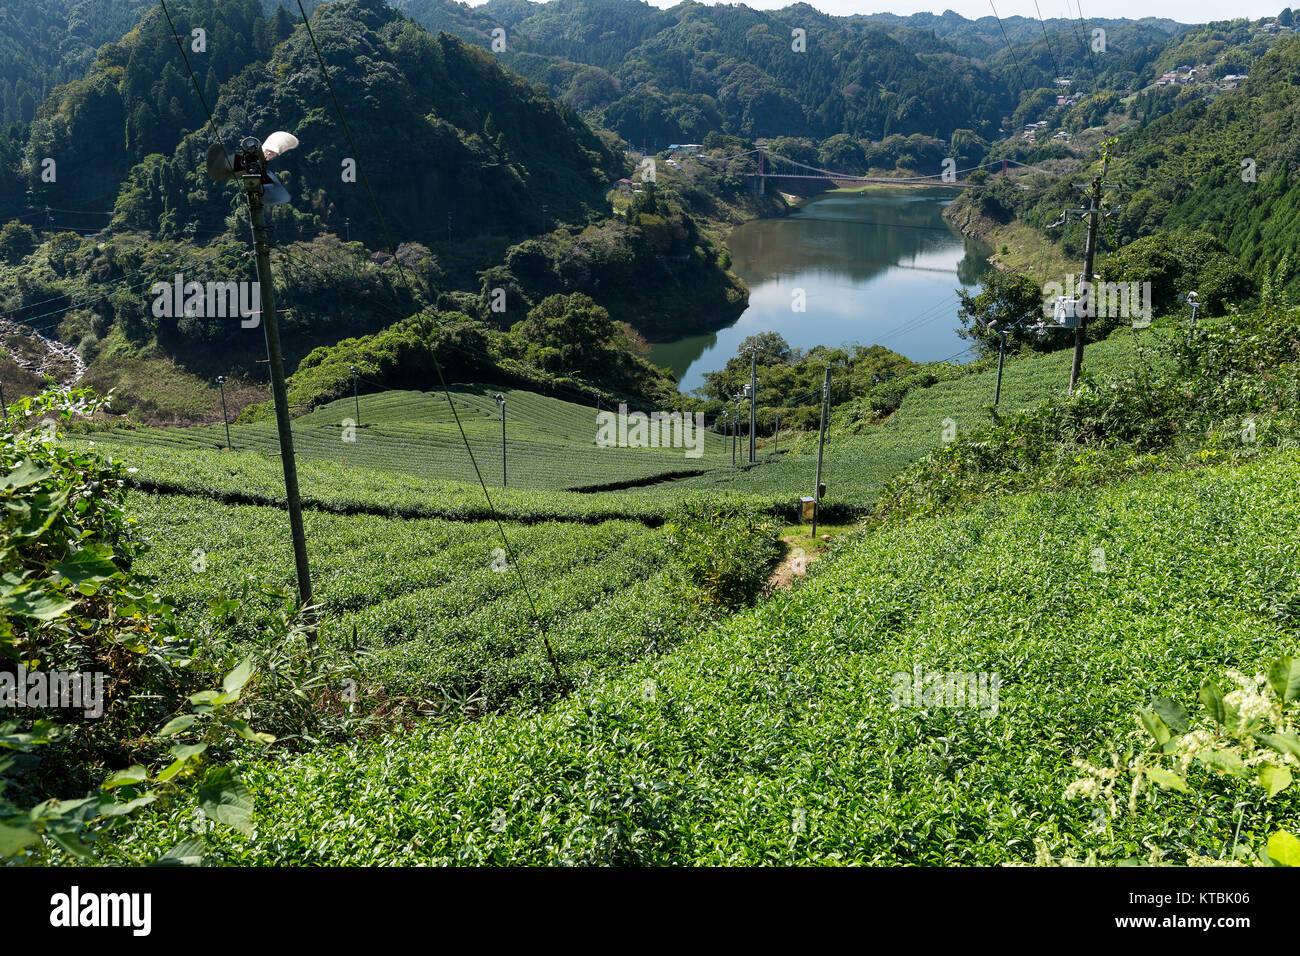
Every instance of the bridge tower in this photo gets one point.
(761, 179)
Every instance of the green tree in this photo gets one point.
(1008, 300)
(17, 242)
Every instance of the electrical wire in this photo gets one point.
(365, 179)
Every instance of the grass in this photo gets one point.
(776, 737)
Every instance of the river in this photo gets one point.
(873, 268)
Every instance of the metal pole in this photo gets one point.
(1090, 250)
(270, 327)
(501, 399)
(734, 429)
(776, 443)
(1002, 351)
(3, 407)
(225, 417)
(355, 400)
(753, 402)
(821, 442)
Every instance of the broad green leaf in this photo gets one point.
(177, 724)
(14, 839)
(1274, 779)
(70, 842)
(1212, 697)
(41, 605)
(1282, 743)
(1226, 761)
(186, 853)
(248, 733)
(111, 809)
(1172, 714)
(234, 682)
(1157, 727)
(28, 473)
(1167, 779)
(1284, 678)
(226, 799)
(186, 751)
(133, 774)
(92, 563)
(1284, 849)
(171, 770)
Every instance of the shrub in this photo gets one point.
(725, 549)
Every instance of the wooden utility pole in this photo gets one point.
(356, 401)
(1088, 293)
(225, 416)
(753, 401)
(252, 179)
(821, 443)
(1002, 351)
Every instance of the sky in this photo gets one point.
(1184, 11)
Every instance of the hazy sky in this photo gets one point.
(1184, 11)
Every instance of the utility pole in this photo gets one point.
(735, 428)
(1002, 351)
(225, 417)
(255, 166)
(821, 443)
(753, 401)
(1088, 292)
(776, 443)
(355, 400)
(4, 409)
(501, 400)
(1192, 298)
(347, 229)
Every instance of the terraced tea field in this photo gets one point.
(857, 465)
(431, 604)
(550, 443)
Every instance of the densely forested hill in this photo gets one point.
(45, 43)
(1186, 169)
(449, 131)
(669, 75)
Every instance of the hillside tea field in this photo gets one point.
(550, 443)
(778, 737)
(430, 607)
(859, 462)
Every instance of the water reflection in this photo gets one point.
(880, 268)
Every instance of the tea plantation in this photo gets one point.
(1105, 560)
(776, 739)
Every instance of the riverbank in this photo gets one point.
(1018, 247)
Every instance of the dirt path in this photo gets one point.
(795, 564)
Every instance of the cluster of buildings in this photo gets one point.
(1273, 28)
(1198, 74)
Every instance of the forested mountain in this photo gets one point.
(473, 142)
(51, 42)
(1231, 167)
(670, 75)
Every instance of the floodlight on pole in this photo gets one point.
(263, 189)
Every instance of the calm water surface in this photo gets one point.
(881, 268)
